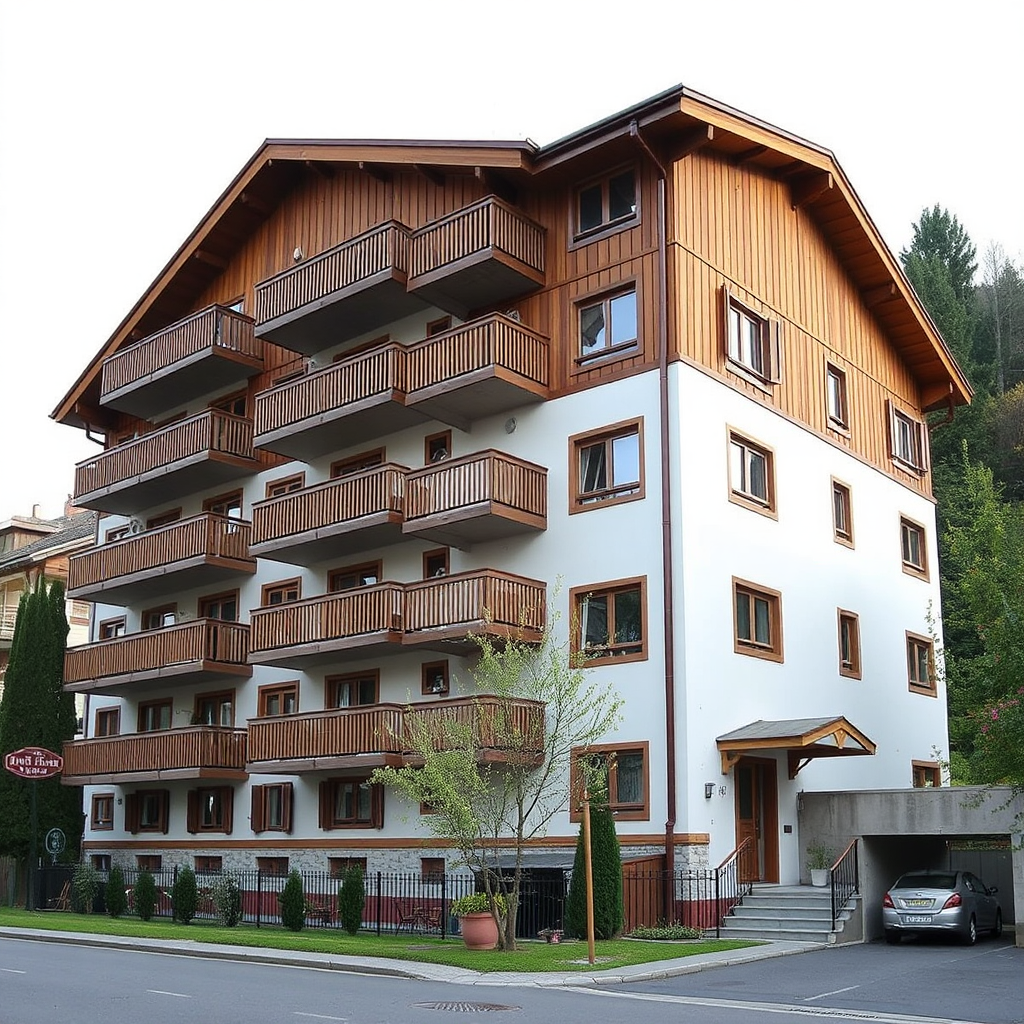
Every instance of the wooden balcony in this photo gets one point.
(195, 752)
(199, 453)
(8, 620)
(480, 497)
(435, 614)
(349, 402)
(332, 519)
(205, 352)
(189, 652)
(483, 254)
(378, 734)
(204, 550)
(339, 294)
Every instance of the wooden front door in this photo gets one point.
(757, 819)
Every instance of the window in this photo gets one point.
(926, 774)
(117, 533)
(608, 326)
(209, 810)
(849, 644)
(625, 766)
(282, 592)
(353, 576)
(101, 861)
(272, 808)
(431, 870)
(351, 803)
(215, 709)
(606, 466)
(286, 485)
(147, 810)
(921, 664)
(611, 620)
(835, 398)
(281, 699)
(842, 513)
(907, 443)
(434, 678)
(913, 548)
(108, 722)
(356, 463)
(435, 563)
(111, 628)
(438, 326)
(102, 816)
(758, 620)
(80, 613)
(219, 606)
(155, 715)
(609, 203)
(272, 865)
(752, 342)
(149, 862)
(164, 519)
(225, 505)
(352, 690)
(158, 618)
(337, 866)
(208, 865)
(751, 474)
(437, 447)
(234, 403)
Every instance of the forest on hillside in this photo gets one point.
(977, 451)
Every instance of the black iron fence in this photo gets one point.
(845, 880)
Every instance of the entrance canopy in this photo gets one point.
(801, 738)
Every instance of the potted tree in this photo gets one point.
(476, 922)
(819, 860)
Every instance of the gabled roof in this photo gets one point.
(68, 532)
(677, 117)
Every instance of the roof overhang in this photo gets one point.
(801, 738)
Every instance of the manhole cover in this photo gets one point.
(462, 1007)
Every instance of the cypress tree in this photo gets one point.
(607, 868)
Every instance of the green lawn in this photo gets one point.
(532, 956)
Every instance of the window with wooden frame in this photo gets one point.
(207, 864)
(842, 513)
(436, 563)
(278, 699)
(337, 866)
(926, 774)
(147, 810)
(100, 861)
(236, 403)
(849, 644)
(353, 689)
(351, 803)
(159, 618)
(908, 441)
(836, 405)
(437, 447)
(272, 808)
(286, 485)
(117, 533)
(753, 342)
(280, 592)
(101, 817)
(108, 722)
(357, 463)
(611, 620)
(155, 715)
(431, 870)
(751, 474)
(108, 629)
(921, 665)
(80, 611)
(606, 204)
(607, 466)
(149, 862)
(625, 771)
(215, 709)
(277, 866)
(434, 678)
(209, 809)
(351, 577)
(608, 326)
(229, 505)
(163, 519)
(439, 326)
(757, 620)
(219, 606)
(913, 548)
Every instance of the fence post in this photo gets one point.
(444, 905)
(378, 904)
(259, 896)
(718, 906)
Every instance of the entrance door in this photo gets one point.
(757, 819)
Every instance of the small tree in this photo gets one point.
(145, 895)
(227, 898)
(534, 707)
(84, 886)
(185, 895)
(293, 902)
(351, 899)
(117, 901)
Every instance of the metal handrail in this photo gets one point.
(844, 879)
(727, 877)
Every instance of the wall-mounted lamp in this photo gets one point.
(709, 790)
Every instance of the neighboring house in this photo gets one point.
(390, 393)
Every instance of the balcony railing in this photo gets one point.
(8, 618)
(187, 652)
(476, 498)
(211, 349)
(380, 733)
(200, 551)
(485, 253)
(204, 450)
(355, 512)
(197, 751)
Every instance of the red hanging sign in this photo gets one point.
(34, 763)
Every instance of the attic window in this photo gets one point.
(606, 204)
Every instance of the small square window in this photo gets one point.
(751, 474)
(913, 548)
(437, 447)
(271, 809)
(608, 326)
(208, 865)
(160, 618)
(438, 326)
(606, 466)
(835, 398)
(147, 811)
(155, 715)
(101, 861)
(907, 440)
(758, 621)
(102, 817)
(286, 485)
(282, 592)
(611, 621)
(842, 513)
(337, 866)
(609, 203)
(849, 644)
(108, 722)
(625, 768)
(210, 810)
(357, 463)
(353, 576)
(434, 678)
(926, 774)
(436, 563)
(149, 862)
(921, 664)
(431, 870)
(277, 866)
(351, 803)
(356, 689)
(279, 699)
(215, 709)
(753, 346)
(110, 629)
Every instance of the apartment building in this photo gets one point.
(662, 374)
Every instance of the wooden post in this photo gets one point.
(590, 876)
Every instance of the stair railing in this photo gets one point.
(729, 887)
(845, 878)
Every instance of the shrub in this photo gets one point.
(227, 898)
(117, 901)
(84, 886)
(185, 895)
(609, 913)
(665, 931)
(351, 899)
(477, 903)
(293, 902)
(145, 895)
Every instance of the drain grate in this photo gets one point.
(464, 1007)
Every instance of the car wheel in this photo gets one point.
(971, 935)
(998, 929)
(893, 938)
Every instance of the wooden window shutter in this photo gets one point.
(165, 810)
(131, 812)
(286, 806)
(377, 806)
(227, 796)
(925, 438)
(890, 410)
(726, 305)
(257, 816)
(192, 811)
(774, 328)
(326, 792)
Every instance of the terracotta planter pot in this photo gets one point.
(479, 931)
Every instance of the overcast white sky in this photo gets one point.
(121, 123)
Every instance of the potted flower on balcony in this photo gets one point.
(819, 860)
(476, 922)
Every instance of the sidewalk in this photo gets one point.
(418, 971)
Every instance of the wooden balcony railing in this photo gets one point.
(194, 747)
(8, 618)
(206, 537)
(497, 724)
(173, 650)
(452, 604)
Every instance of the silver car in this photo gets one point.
(941, 903)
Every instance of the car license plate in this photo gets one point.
(918, 919)
(917, 903)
